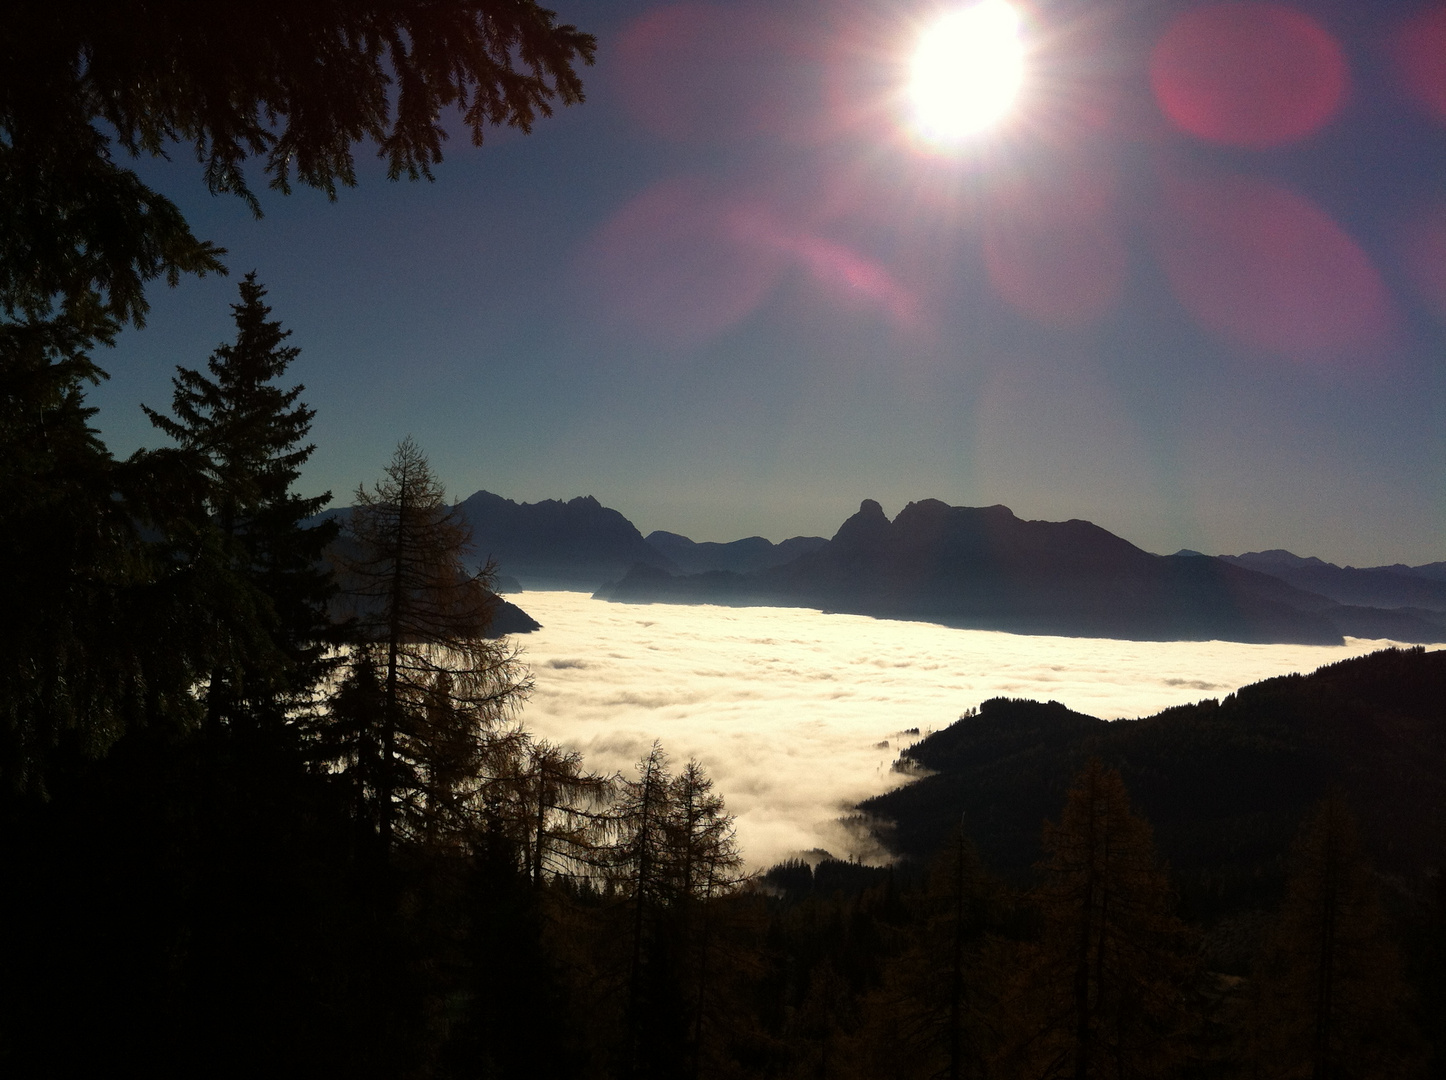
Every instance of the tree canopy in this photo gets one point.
(294, 86)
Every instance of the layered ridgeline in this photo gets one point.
(1225, 784)
(976, 567)
(985, 568)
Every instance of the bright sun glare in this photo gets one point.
(967, 71)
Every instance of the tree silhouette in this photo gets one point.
(677, 855)
(1102, 993)
(244, 437)
(296, 85)
(1330, 999)
(562, 812)
(423, 620)
(929, 1017)
(72, 559)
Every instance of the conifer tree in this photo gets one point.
(245, 436)
(677, 857)
(1330, 1000)
(927, 1019)
(71, 556)
(564, 812)
(423, 619)
(1102, 993)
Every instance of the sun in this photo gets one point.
(966, 71)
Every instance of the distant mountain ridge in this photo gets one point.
(1395, 586)
(553, 544)
(985, 568)
(741, 556)
(977, 567)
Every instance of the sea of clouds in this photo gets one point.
(798, 715)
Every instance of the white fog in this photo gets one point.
(787, 708)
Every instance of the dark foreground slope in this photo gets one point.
(1225, 784)
(985, 568)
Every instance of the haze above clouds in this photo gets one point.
(787, 708)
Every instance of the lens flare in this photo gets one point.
(967, 71)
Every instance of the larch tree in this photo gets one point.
(245, 438)
(1102, 994)
(929, 1017)
(423, 618)
(564, 813)
(1329, 999)
(705, 864)
(677, 854)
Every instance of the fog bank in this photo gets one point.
(788, 708)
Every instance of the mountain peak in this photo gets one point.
(867, 527)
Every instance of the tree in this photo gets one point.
(115, 637)
(1102, 993)
(423, 619)
(928, 1018)
(71, 553)
(245, 439)
(296, 85)
(1330, 1000)
(677, 855)
(563, 812)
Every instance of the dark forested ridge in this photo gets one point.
(1225, 783)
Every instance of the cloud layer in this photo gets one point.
(789, 709)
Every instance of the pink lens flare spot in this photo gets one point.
(856, 279)
(703, 72)
(1420, 53)
(682, 262)
(1423, 254)
(1248, 74)
(1055, 254)
(1267, 268)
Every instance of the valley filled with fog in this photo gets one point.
(789, 709)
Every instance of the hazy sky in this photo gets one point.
(1192, 286)
(787, 708)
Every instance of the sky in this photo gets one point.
(798, 715)
(1190, 284)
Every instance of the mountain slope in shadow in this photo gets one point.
(1224, 783)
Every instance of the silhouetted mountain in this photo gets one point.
(982, 567)
(1225, 784)
(1378, 586)
(578, 544)
(739, 556)
(507, 617)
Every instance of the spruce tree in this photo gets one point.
(72, 557)
(245, 436)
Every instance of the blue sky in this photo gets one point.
(735, 292)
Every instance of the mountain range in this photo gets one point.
(985, 568)
(975, 567)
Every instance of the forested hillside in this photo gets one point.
(1225, 783)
